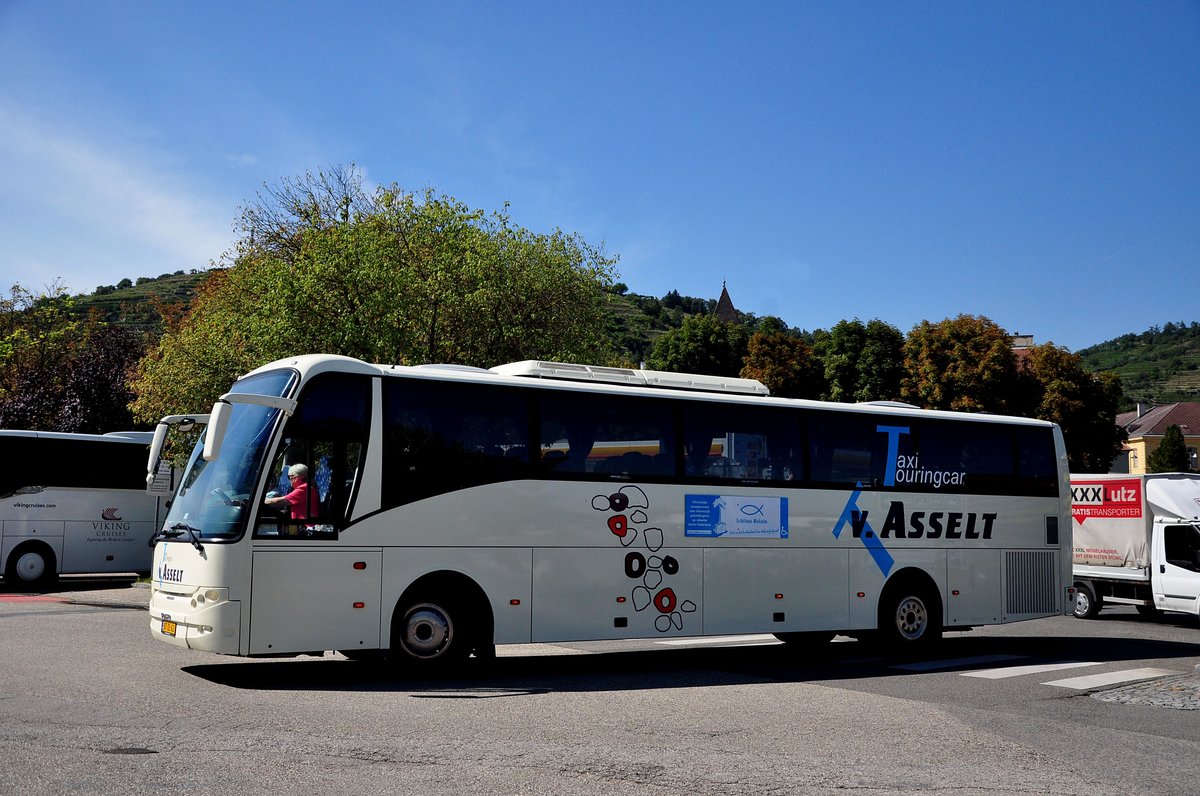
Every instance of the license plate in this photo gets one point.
(168, 628)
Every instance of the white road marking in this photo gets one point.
(518, 650)
(1018, 671)
(686, 642)
(1111, 678)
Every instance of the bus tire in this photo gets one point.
(1087, 603)
(430, 630)
(31, 565)
(909, 615)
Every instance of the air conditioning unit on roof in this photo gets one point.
(628, 376)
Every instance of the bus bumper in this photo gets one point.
(213, 628)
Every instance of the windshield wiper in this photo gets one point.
(177, 530)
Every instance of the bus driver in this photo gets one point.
(303, 502)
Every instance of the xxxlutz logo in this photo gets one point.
(110, 514)
(1106, 499)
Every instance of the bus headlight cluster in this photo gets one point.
(207, 596)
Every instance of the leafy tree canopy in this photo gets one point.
(703, 344)
(60, 371)
(786, 364)
(964, 363)
(389, 276)
(1054, 385)
(862, 361)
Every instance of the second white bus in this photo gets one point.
(75, 504)
(458, 508)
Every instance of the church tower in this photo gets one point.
(725, 311)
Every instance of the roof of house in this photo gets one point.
(1154, 422)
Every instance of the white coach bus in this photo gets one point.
(75, 504)
(452, 509)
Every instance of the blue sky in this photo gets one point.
(1034, 162)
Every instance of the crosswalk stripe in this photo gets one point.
(955, 663)
(681, 642)
(1111, 678)
(1018, 671)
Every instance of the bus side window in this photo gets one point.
(741, 443)
(440, 437)
(608, 436)
(1037, 465)
(847, 450)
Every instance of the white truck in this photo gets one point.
(1137, 542)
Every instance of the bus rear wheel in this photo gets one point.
(908, 617)
(431, 630)
(31, 566)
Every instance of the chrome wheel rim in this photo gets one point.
(911, 618)
(428, 631)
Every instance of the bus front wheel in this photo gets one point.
(31, 566)
(431, 629)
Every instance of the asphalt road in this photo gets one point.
(91, 703)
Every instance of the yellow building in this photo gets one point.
(1146, 428)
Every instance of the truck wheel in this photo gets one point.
(1087, 604)
(31, 566)
(1148, 611)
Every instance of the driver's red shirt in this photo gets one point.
(299, 497)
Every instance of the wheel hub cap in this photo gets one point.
(427, 631)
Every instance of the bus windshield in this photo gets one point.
(214, 497)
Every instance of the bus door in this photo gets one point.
(312, 588)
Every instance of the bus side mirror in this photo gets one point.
(156, 446)
(218, 421)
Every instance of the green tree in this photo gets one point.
(965, 363)
(702, 344)
(840, 356)
(1055, 386)
(37, 335)
(863, 362)
(60, 371)
(784, 363)
(390, 276)
(1171, 454)
(881, 363)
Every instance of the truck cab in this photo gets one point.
(1175, 561)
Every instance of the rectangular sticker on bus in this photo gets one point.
(735, 515)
